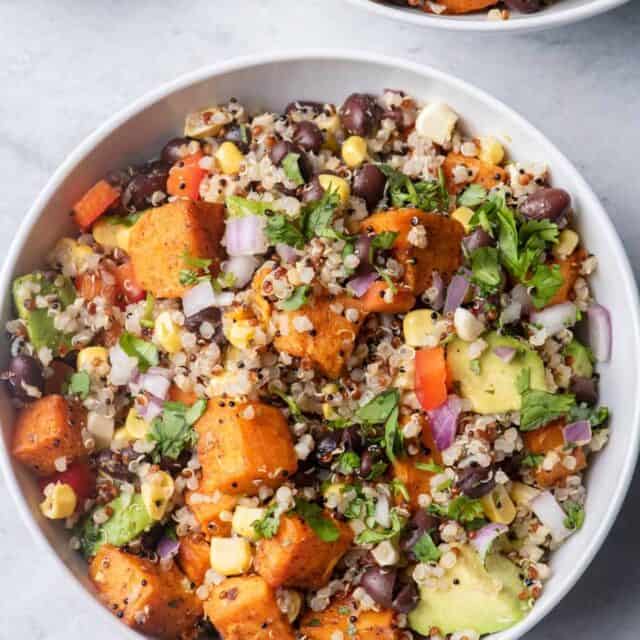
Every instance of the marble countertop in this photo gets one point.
(65, 66)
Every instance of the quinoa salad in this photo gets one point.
(495, 9)
(320, 374)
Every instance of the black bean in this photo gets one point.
(312, 191)
(283, 148)
(136, 195)
(366, 464)
(118, 177)
(352, 439)
(172, 151)
(368, 184)
(360, 114)
(476, 481)
(546, 204)
(525, 6)
(407, 598)
(240, 135)
(379, 584)
(584, 389)
(23, 370)
(308, 136)
(211, 315)
(424, 520)
(325, 448)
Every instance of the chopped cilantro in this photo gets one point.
(317, 217)
(238, 207)
(597, 416)
(297, 299)
(348, 462)
(472, 196)
(399, 488)
(147, 313)
(428, 195)
(144, 352)
(432, 467)
(376, 535)
(79, 384)
(280, 230)
(485, 268)
(463, 509)
(532, 460)
(378, 409)
(545, 282)
(312, 514)
(128, 220)
(575, 515)
(291, 168)
(425, 549)
(173, 429)
(268, 525)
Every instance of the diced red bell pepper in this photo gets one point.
(78, 476)
(431, 377)
(94, 203)
(185, 177)
(126, 281)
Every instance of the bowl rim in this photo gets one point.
(628, 284)
(533, 22)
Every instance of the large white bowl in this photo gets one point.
(562, 12)
(271, 81)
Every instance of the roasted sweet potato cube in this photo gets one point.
(164, 235)
(560, 472)
(484, 173)
(443, 250)
(242, 445)
(245, 608)
(194, 557)
(208, 509)
(48, 429)
(377, 300)
(569, 270)
(416, 480)
(297, 557)
(330, 341)
(545, 438)
(151, 600)
(466, 6)
(369, 625)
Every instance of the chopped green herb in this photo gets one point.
(195, 262)
(317, 217)
(173, 429)
(429, 195)
(297, 299)
(474, 365)
(79, 384)
(382, 241)
(312, 514)
(292, 405)
(128, 220)
(485, 268)
(348, 462)
(541, 407)
(575, 515)
(268, 525)
(238, 207)
(280, 230)
(147, 314)
(545, 282)
(144, 352)
(392, 435)
(432, 467)
(376, 535)
(463, 509)
(291, 168)
(378, 409)
(472, 196)
(425, 549)
(399, 488)
(532, 460)
(597, 416)
(378, 469)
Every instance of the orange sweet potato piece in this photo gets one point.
(466, 6)
(545, 438)
(417, 481)
(330, 344)
(569, 270)
(242, 445)
(245, 608)
(374, 300)
(94, 203)
(194, 558)
(484, 173)
(559, 472)
(161, 238)
(207, 510)
(46, 430)
(369, 625)
(297, 557)
(443, 252)
(150, 600)
(176, 394)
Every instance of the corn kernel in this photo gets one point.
(491, 150)
(329, 412)
(112, 235)
(330, 124)
(463, 215)
(567, 243)
(166, 333)
(521, 493)
(354, 151)
(229, 158)
(157, 490)
(422, 328)
(230, 556)
(334, 183)
(122, 436)
(239, 333)
(498, 506)
(334, 490)
(243, 519)
(60, 501)
(135, 425)
(80, 256)
(93, 360)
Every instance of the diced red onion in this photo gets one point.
(361, 284)
(584, 389)
(506, 354)
(456, 293)
(444, 422)
(477, 239)
(577, 432)
(156, 385)
(551, 514)
(242, 268)
(167, 548)
(383, 513)
(159, 371)
(437, 300)
(150, 410)
(287, 254)
(202, 296)
(600, 334)
(363, 244)
(245, 236)
(556, 318)
(486, 536)
(123, 367)
(520, 294)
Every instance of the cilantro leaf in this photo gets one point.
(238, 207)
(597, 416)
(268, 525)
(463, 509)
(317, 217)
(425, 549)
(280, 229)
(348, 462)
(195, 261)
(378, 409)
(472, 196)
(79, 384)
(428, 195)
(128, 220)
(382, 241)
(575, 515)
(144, 352)
(297, 299)
(432, 467)
(294, 409)
(173, 429)
(545, 281)
(541, 407)
(375, 535)
(312, 514)
(392, 435)
(485, 267)
(147, 314)
(532, 460)
(291, 168)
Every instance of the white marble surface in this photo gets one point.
(66, 65)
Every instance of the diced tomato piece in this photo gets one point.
(185, 177)
(78, 476)
(94, 203)
(374, 300)
(126, 282)
(431, 377)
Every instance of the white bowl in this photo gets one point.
(562, 12)
(271, 81)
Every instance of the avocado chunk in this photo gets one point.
(40, 325)
(472, 596)
(129, 520)
(490, 383)
(579, 358)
